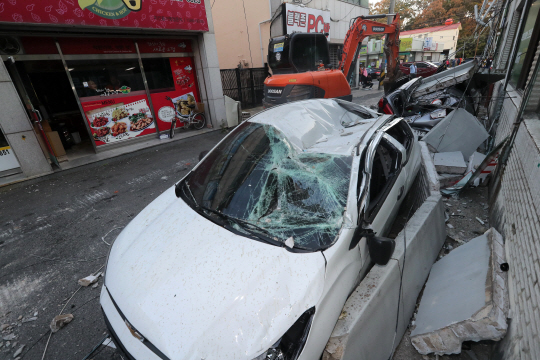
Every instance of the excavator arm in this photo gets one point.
(362, 27)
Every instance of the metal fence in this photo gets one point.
(244, 85)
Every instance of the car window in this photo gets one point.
(406, 65)
(386, 167)
(403, 134)
(421, 65)
(255, 175)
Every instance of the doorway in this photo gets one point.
(44, 86)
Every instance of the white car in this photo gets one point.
(253, 254)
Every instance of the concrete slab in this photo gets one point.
(450, 163)
(459, 131)
(431, 172)
(367, 327)
(447, 180)
(465, 298)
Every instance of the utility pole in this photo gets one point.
(389, 20)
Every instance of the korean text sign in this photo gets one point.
(304, 19)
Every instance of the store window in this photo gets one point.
(105, 77)
(158, 74)
(526, 48)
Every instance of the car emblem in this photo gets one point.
(278, 56)
(134, 332)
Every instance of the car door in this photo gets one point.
(385, 162)
(422, 69)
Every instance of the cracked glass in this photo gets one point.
(255, 175)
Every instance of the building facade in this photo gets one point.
(515, 188)
(80, 79)
(430, 44)
(244, 42)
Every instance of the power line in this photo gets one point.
(247, 30)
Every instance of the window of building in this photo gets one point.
(94, 77)
(526, 47)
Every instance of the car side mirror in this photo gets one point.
(380, 249)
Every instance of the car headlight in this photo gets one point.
(292, 343)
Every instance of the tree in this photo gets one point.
(404, 8)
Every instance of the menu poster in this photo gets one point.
(185, 83)
(121, 119)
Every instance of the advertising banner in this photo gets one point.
(304, 19)
(120, 118)
(405, 44)
(428, 42)
(156, 14)
(185, 93)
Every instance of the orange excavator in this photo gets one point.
(300, 62)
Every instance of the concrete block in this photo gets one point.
(447, 180)
(29, 154)
(450, 163)
(431, 172)
(368, 327)
(13, 118)
(465, 298)
(475, 160)
(458, 131)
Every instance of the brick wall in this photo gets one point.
(515, 212)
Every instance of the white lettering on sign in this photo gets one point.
(274, 91)
(304, 19)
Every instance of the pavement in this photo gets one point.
(367, 97)
(56, 229)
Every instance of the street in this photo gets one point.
(55, 231)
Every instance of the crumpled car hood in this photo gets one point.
(197, 291)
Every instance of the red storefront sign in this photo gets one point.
(39, 45)
(75, 46)
(156, 14)
(164, 45)
(185, 84)
(119, 118)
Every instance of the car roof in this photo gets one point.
(316, 125)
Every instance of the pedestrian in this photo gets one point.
(366, 79)
(413, 70)
(453, 62)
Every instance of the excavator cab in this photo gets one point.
(296, 61)
(297, 53)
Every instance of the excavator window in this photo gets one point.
(308, 50)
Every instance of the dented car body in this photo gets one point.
(253, 254)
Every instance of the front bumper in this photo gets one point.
(132, 348)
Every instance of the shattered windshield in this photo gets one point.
(256, 176)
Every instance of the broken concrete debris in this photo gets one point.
(19, 351)
(450, 162)
(89, 280)
(60, 321)
(459, 131)
(9, 337)
(465, 298)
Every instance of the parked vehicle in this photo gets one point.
(424, 68)
(423, 112)
(253, 254)
(375, 73)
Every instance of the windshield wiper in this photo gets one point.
(252, 229)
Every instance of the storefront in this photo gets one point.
(86, 90)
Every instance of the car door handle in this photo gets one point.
(401, 191)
